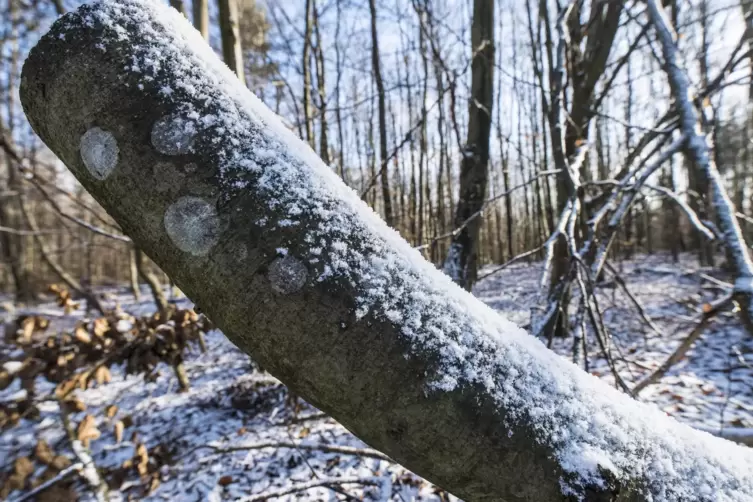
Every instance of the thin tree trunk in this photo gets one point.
(201, 17)
(377, 71)
(151, 280)
(133, 271)
(179, 6)
(232, 51)
(306, 68)
(461, 262)
(321, 87)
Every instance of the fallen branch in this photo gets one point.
(709, 312)
(326, 448)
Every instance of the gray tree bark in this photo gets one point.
(299, 273)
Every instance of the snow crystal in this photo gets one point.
(99, 151)
(193, 225)
(593, 430)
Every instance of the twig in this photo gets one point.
(485, 205)
(512, 261)
(343, 450)
(311, 484)
(636, 303)
(78, 466)
(709, 313)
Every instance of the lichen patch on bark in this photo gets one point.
(99, 151)
(193, 225)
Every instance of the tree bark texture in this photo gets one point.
(297, 271)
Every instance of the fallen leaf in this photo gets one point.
(87, 430)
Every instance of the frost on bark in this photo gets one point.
(301, 274)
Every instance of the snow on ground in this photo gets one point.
(232, 406)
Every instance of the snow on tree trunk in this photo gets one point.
(300, 273)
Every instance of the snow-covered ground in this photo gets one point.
(276, 450)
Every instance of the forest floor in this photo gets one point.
(306, 455)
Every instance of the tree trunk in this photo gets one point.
(232, 51)
(382, 117)
(201, 17)
(700, 157)
(151, 280)
(461, 262)
(133, 274)
(306, 69)
(350, 317)
(179, 6)
(321, 87)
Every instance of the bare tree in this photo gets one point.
(693, 121)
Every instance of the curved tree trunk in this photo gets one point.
(260, 233)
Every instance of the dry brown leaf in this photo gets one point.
(83, 379)
(43, 453)
(5, 379)
(82, 335)
(87, 430)
(102, 375)
(119, 427)
(60, 462)
(142, 462)
(111, 410)
(27, 330)
(23, 466)
(101, 326)
(225, 480)
(153, 484)
(66, 387)
(304, 432)
(70, 306)
(74, 405)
